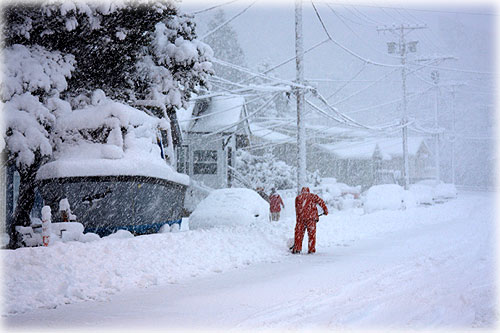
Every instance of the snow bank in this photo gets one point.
(230, 206)
(46, 277)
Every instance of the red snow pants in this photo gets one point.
(300, 229)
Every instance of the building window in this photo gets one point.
(183, 159)
(205, 162)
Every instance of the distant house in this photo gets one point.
(376, 160)
(212, 129)
(352, 156)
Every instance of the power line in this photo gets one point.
(248, 71)
(345, 85)
(228, 21)
(285, 62)
(354, 33)
(407, 8)
(213, 7)
(345, 48)
(458, 70)
(368, 86)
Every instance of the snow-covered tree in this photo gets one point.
(225, 45)
(33, 78)
(267, 172)
(57, 54)
(133, 51)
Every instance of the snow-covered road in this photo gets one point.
(432, 275)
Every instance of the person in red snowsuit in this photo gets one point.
(275, 203)
(307, 216)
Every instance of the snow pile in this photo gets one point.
(230, 206)
(109, 138)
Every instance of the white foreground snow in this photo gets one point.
(427, 267)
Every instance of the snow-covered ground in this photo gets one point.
(429, 267)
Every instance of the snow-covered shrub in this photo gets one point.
(338, 195)
(268, 172)
(229, 206)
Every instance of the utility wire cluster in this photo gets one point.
(275, 86)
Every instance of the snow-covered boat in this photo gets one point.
(114, 166)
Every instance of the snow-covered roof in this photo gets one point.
(269, 135)
(338, 131)
(388, 148)
(223, 113)
(133, 153)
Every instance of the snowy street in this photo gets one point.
(162, 161)
(435, 270)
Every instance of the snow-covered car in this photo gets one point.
(387, 196)
(229, 206)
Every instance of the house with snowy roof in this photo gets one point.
(212, 129)
(374, 160)
(349, 155)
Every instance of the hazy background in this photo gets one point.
(467, 31)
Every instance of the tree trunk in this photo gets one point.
(25, 202)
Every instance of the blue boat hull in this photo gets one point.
(104, 204)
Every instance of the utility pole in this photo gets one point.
(453, 137)
(404, 48)
(453, 129)
(301, 130)
(437, 159)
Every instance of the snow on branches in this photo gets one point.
(33, 79)
(266, 171)
(34, 69)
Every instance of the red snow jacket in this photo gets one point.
(275, 203)
(305, 205)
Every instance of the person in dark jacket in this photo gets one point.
(275, 204)
(307, 217)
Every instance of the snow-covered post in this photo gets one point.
(65, 211)
(46, 221)
(301, 130)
